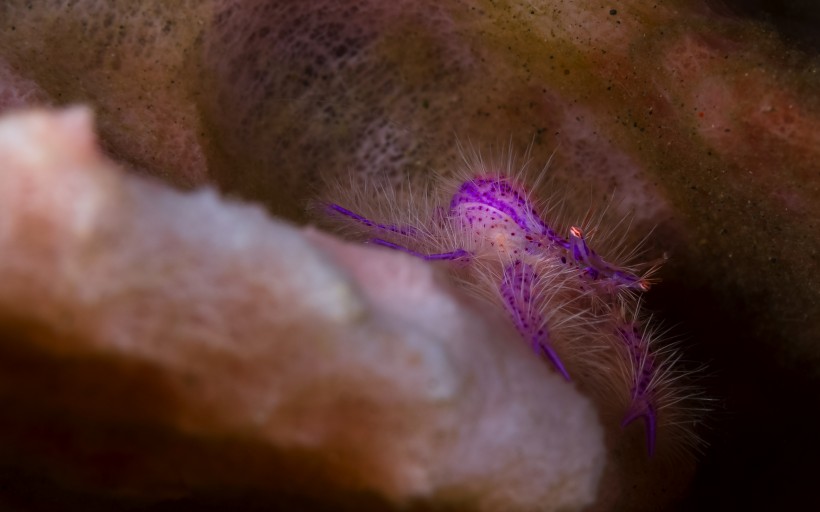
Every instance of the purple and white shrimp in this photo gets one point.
(566, 300)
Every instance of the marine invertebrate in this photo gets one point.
(575, 306)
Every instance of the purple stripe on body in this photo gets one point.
(500, 195)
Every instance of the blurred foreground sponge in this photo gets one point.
(159, 346)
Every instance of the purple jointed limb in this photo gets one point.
(517, 290)
(597, 267)
(647, 412)
(642, 405)
(453, 255)
(401, 230)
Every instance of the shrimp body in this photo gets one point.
(567, 301)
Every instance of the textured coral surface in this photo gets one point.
(699, 116)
